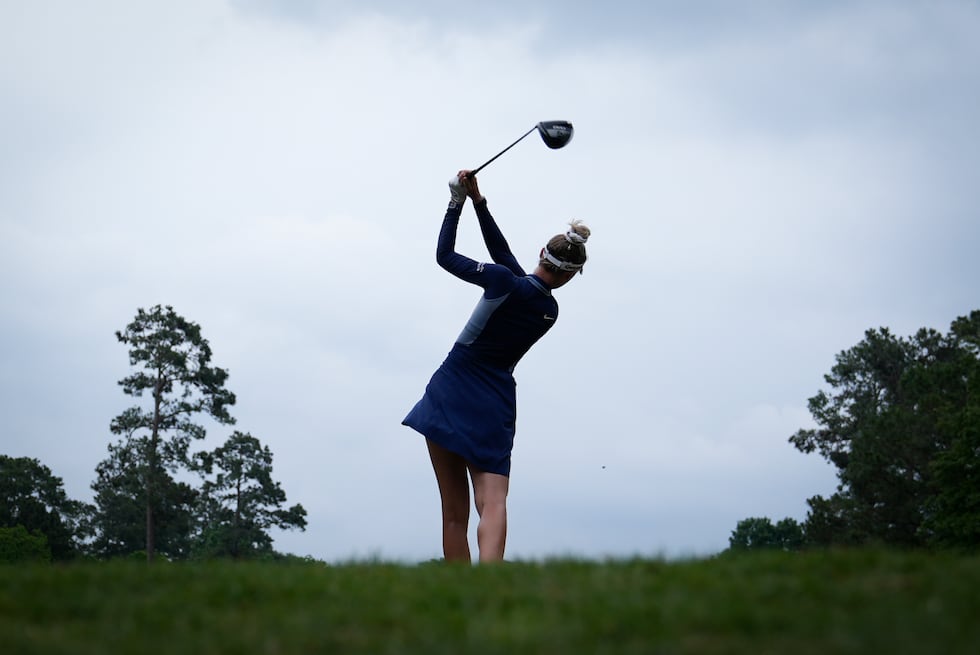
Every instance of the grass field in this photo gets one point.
(820, 602)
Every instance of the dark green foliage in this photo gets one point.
(829, 522)
(32, 497)
(952, 516)
(18, 545)
(842, 602)
(120, 495)
(760, 533)
(142, 506)
(902, 429)
(240, 501)
(172, 363)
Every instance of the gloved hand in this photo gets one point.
(456, 190)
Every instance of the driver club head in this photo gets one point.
(556, 134)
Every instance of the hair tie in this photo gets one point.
(575, 238)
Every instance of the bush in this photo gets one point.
(19, 545)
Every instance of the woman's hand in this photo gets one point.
(471, 185)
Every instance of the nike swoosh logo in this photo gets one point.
(548, 318)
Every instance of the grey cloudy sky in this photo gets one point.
(764, 180)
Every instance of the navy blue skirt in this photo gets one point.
(469, 408)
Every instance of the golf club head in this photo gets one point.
(556, 134)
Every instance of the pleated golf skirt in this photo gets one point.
(469, 408)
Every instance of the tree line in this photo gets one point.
(901, 424)
(153, 496)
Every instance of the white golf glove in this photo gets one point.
(457, 191)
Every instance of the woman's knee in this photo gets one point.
(456, 510)
(490, 490)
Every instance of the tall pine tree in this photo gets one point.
(240, 501)
(172, 365)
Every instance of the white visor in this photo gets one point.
(559, 264)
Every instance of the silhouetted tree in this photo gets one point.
(33, 497)
(119, 519)
(901, 427)
(172, 363)
(240, 501)
(760, 533)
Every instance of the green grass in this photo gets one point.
(820, 602)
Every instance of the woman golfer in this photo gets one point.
(469, 409)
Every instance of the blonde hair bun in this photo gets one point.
(578, 233)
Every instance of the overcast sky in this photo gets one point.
(764, 180)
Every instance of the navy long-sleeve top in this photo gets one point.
(516, 309)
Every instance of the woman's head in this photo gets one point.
(566, 252)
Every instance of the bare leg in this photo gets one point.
(450, 470)
(490, 492)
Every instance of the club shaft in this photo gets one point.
(474, 172)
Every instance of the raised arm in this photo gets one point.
(497, 245)
(494, 239)
(446, 256)
(495, 279)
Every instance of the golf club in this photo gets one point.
(555, 134)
